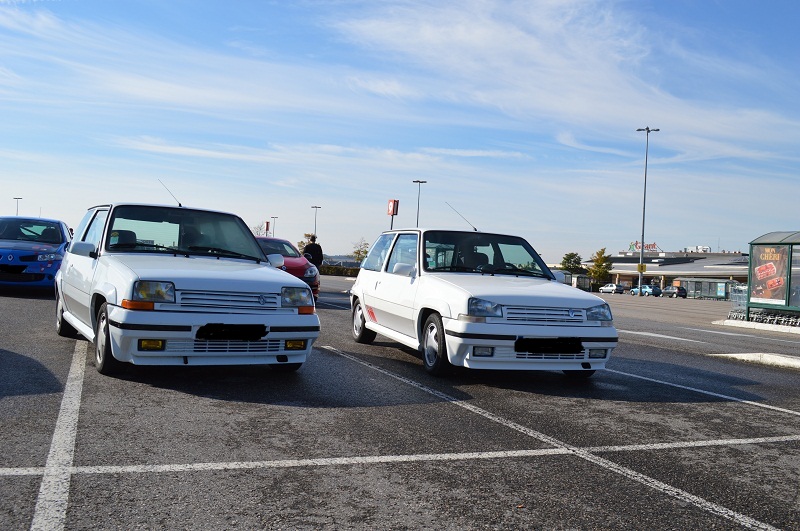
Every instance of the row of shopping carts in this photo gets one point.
(738, 310)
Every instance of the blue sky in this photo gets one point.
(521, 115)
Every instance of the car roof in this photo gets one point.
(33, 218)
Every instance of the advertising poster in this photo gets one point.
(769, 266)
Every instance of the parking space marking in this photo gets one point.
(52, 502)
(771, 340)
(709, 393)
(662, 336)
(584, 454)
(51, 505)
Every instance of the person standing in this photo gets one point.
(315, 250)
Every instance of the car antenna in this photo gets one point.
(462, 217)
(170, 193)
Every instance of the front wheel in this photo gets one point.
(361, 333)
(434, 347)
(104, 360)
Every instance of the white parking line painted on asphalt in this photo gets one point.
(651, 334)
(401, 458)
(51, 505)
(771, 339)
(709, 393)
(586, 455)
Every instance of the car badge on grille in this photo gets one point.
(11, 258)
(283, 267)
(263, 299)
(571, 313)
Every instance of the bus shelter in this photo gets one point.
(774, 275)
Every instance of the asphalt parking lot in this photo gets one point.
(675, 435)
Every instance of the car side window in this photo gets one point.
(95, 230)
(377, 253)
(404, 252)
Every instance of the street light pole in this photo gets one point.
(315, 218)
(647, 131)
(17, 200)
(419, 190)
(273, 224)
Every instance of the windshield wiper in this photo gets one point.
(510, 269)
(452, 268)
(218, 251)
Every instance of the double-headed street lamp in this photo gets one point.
(315, 218)
(647, 131)
(419, 190)
(17, 200)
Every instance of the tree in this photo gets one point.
(572, 263)
(258, 230)
(601, 266)
(360, 250)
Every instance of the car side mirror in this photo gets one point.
(404, 270)
(275, 260)
(83, 249)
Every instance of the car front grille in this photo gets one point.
(228, 300)
(545, 315)
(200, 347)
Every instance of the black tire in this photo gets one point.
(579, 375)
(285, 367)
(360, 331)
(104, 360)
(434, 347)
(63, 328)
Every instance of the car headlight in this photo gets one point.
(295, 297)
(311, 272)
(599, 313)
(52, 257)
(483, 308)
(153, 291)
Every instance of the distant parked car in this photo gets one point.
(612, 288)
(31, 250)
(293, 262)
(674, 291)
(647, 290)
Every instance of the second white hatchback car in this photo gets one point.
(478, 300)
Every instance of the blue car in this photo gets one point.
(31, 250)
(647, 290)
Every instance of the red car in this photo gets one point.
(293, 262)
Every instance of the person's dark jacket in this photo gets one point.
(315, 250)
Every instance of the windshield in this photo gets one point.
(30, 230)
(148, 229)
(281, 247)
(482, 253)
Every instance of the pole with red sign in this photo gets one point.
(392, 210)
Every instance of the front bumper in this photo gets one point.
(179, 331)
(528, 347)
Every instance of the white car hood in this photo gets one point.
(519, 291)
(201, 273)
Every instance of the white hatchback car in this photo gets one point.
(478, 300)
(168, 285)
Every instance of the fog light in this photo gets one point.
(152, 344)
(597, 353)
(295, 344)
(483, 352)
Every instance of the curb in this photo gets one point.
(759, 326)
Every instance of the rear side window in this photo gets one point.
(377, 253)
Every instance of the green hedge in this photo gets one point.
(338, 271)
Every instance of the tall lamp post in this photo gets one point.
(647, 131)
(273, 224)
(17, 200)
(419, 190)
(315, 218)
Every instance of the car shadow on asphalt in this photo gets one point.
(23, 375)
